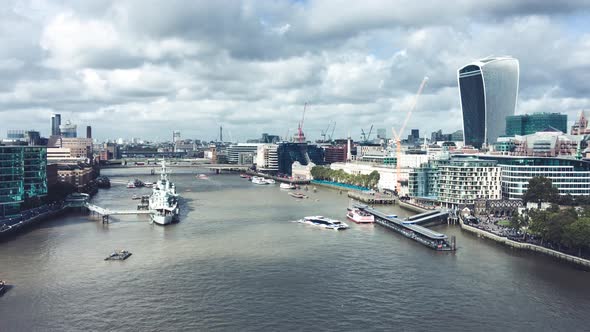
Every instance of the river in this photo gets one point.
(237, 262)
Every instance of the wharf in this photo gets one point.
(371, 198)
(411, 230)
(106, 213)
(276, 178)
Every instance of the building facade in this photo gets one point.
(23, 177)
(462, 182)
(242, 152)
(527, 124)
(489, 90)
(267, 158)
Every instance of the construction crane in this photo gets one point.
(300, 136)
(365, 137)
(397, 135)
(325, 132)
(332, 133)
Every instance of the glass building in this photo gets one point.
(288, 153)
(23, 177)
(531, 123)
(489, 89)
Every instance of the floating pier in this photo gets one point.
(106, 213)
(371, 198)
(410, 229)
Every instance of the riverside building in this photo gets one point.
(488, 89)
(527, 124)
(23, 177)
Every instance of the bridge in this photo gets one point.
(106, 213)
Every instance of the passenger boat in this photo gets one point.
(131, 184)
(298, 195)
(203, 177)
(359, 216)
(287, 186)
(259, 180)
(324, 222)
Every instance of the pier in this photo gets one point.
(106, 213)
(410, 229)
(371, 198)
(278, 179)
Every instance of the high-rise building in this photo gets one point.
(489, 89)
(88, 132)
(527, 124)
(461, 182)
(68, 130)
(55, 123)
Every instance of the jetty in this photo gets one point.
(411, 229)
(106, 213)
(371, 198)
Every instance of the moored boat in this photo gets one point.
(164, 200)
(359, 216)
(131, 184)
(287, 186)
(259, 180)
(270, 181)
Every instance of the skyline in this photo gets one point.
(250, 67)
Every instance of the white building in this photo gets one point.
(461, 182)
(267, 158)
(241, 152)
(301, 172)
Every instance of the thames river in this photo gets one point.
(237, 262)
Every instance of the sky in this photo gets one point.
(143, 68)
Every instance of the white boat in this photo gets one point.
(359, 216)
(259, 180)
(270, 181)
(324, 222)
(131, 184)
(287, 186)
(203, 176)
(163, 202)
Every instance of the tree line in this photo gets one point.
(364, 180)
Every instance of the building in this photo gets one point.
(88, 132)
(569, 176)
(531, 123)
(546, 143)
(423, 180)
(80, 148)
(55, 123)
(79, 175)
(68, 130)
(288, 153)
(462, 182)
(381, 133)
(334, 154)
(242, 153)
(580, 127)
(301, 172)
(23, 178)
(488, 89)
(267, 158)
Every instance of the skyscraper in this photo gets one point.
(489, 89)
(55, 123)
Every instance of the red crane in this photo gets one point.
(300, 136)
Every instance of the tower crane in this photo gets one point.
(397, 135)
(300, 136)
(332, 133)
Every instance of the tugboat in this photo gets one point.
(118, 255)
(2, 287)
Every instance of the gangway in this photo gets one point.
(106, 213)
(427, 217)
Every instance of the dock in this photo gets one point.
(411, 229)
(106, 213)
(371, 198)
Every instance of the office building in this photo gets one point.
(569, 176)
(288, 153)
(68, 130)
(80, 148)
(267, 158)
(23, 177)
(546, 143)
(242, 153)
(55, 123)
(531, 123)
(334, 154)
(489, 90)
(88, 132)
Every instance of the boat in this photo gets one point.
(259, 180)
(287, 186)
(163, 203)
(2, 287)
(118, 255)
(131, 184)
(359, 216)
(324, 222)
(244, 176)
(298, 195)
(203, 176)
(135, 197)
(270, 181)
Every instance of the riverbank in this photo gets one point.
(30, 218)
(580, 262)
(337, 185)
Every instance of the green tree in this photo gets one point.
(540, 189)
(577, 234)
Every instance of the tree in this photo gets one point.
(577, 234)
(540, 189)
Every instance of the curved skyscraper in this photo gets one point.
(488, 88)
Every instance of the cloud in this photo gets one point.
(137, 68)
